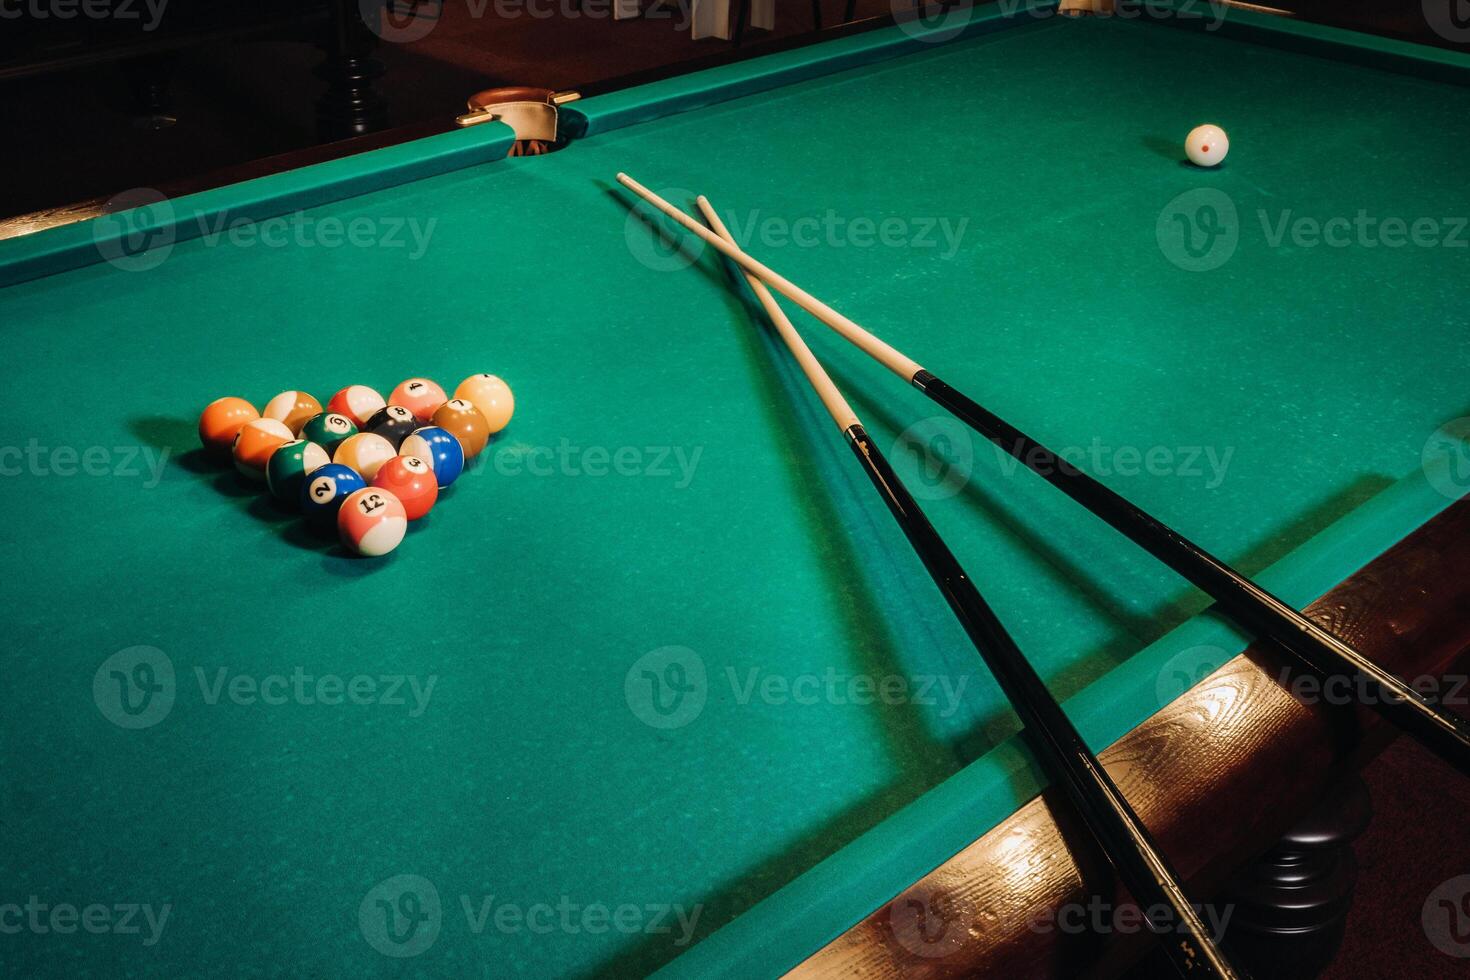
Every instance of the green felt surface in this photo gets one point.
(668, 481)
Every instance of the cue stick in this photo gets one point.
(1131, 849)
(1438, 728)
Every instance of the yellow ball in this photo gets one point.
(364, 452)
(491, 396)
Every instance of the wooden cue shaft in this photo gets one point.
(837, 406)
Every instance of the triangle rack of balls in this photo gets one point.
(365, 464)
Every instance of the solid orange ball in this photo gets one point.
(464, 421)
(222, 420)
(412, 482)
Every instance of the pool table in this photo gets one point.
(658, 685)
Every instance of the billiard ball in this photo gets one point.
(420, 396)
(392, 422)
(491, 396)
(412, 482)
(292, 408)
(372, 521)
(364, 452)
(1206, 146)
(357, 402)
(463, 421)
(324, 490)
(222, 420)
(255, 442)
(439, 449)
(289, 465)
(328, 430)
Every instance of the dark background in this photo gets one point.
(89, 109)
(81, 98)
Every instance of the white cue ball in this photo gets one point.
(1206, 146)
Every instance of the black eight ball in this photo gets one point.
(394, 423)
